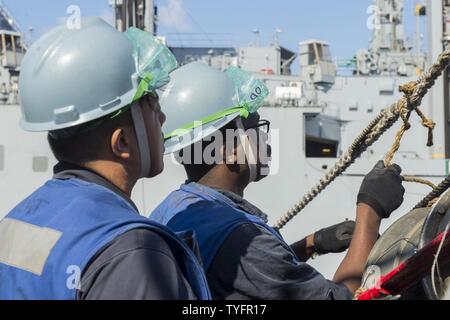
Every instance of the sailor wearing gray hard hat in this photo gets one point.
(78, 236)
(244, 258)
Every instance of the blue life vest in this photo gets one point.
(209, 213)
(53, 234)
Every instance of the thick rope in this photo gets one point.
(436, 193)
(405, 114)
(432, 202)
(414, 93)
(419, 180)
(358, 292)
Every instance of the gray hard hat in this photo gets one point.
(73, 76)
(70, 77)
(201, 97)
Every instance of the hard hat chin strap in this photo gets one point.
(250, 150)
(142, 139)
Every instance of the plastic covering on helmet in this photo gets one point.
(153, 60)
(251, 92)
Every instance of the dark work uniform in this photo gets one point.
(253, 264)
(139, 260)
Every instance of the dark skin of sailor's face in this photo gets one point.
(234, 172)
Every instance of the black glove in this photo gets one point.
(382, 189)
(336, 238)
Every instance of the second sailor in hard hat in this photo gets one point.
(80, 236)
(244, 257)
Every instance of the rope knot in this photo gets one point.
(408, 88)
(405, 114)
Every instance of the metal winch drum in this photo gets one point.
(407, 235)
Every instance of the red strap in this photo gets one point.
(409, 272)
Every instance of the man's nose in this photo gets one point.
(162, 118)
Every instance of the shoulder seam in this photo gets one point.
(124, 253)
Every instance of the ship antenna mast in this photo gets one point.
(140, 14)
(389, 31)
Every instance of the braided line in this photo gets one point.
(437, 192)
(414, 93)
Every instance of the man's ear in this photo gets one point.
(120, 144)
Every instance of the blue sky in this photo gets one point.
(341, 23)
